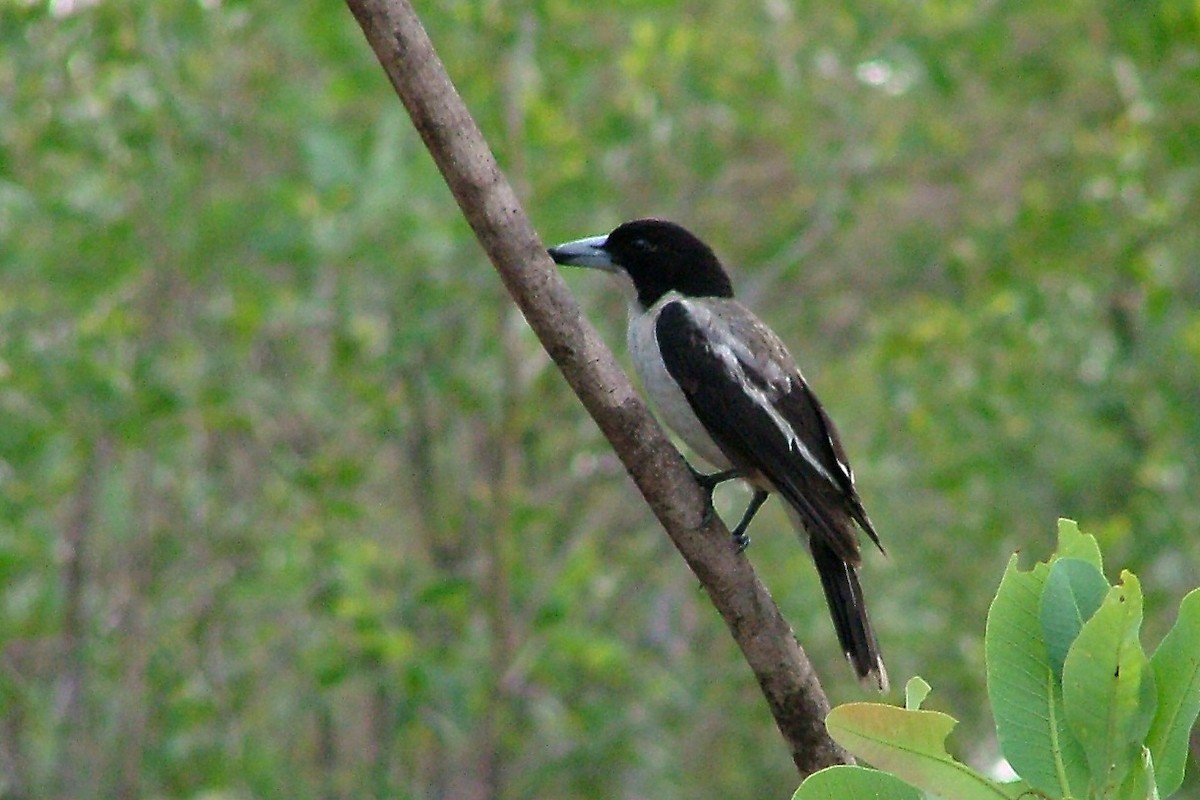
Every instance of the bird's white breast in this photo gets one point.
(664, 393)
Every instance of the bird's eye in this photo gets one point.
(643, 246)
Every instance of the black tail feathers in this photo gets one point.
(849, 611)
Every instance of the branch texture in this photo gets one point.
(487, 200)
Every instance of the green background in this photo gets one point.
(293, 505)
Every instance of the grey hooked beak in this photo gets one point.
(587, 252)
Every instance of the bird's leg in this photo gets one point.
(709, 483)
(739, 533)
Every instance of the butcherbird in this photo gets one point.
(725, 383)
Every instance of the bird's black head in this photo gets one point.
(658, 256)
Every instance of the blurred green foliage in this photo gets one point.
(292, 505)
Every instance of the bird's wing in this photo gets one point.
(744, 387)
(800, 402)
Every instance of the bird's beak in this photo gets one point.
(587, 252)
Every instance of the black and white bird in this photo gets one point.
(725, 383)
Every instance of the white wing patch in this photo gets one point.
(738, 372)
(849, 473)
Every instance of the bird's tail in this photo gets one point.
(849, 612)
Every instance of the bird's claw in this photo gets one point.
(709, 484)
(741, 541)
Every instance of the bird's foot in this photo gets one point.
(741, 540)
(709, 484)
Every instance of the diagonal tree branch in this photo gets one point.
(487, 200)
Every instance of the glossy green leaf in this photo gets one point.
(915, 692)
(1026, 698)
(1074, 590)
(912, 745)
(841, 782)
(1072, 543)
(1140, 783)
(1108, 686)
(1176, 665)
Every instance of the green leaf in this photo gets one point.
(1108, 708)
(1026, 698)
(911, 744)
(840, 782)
(1140, 783)
(1073, 544)
(1176, 665)
(1074, 590)
(915, 692)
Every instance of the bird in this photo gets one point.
(724, 382)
